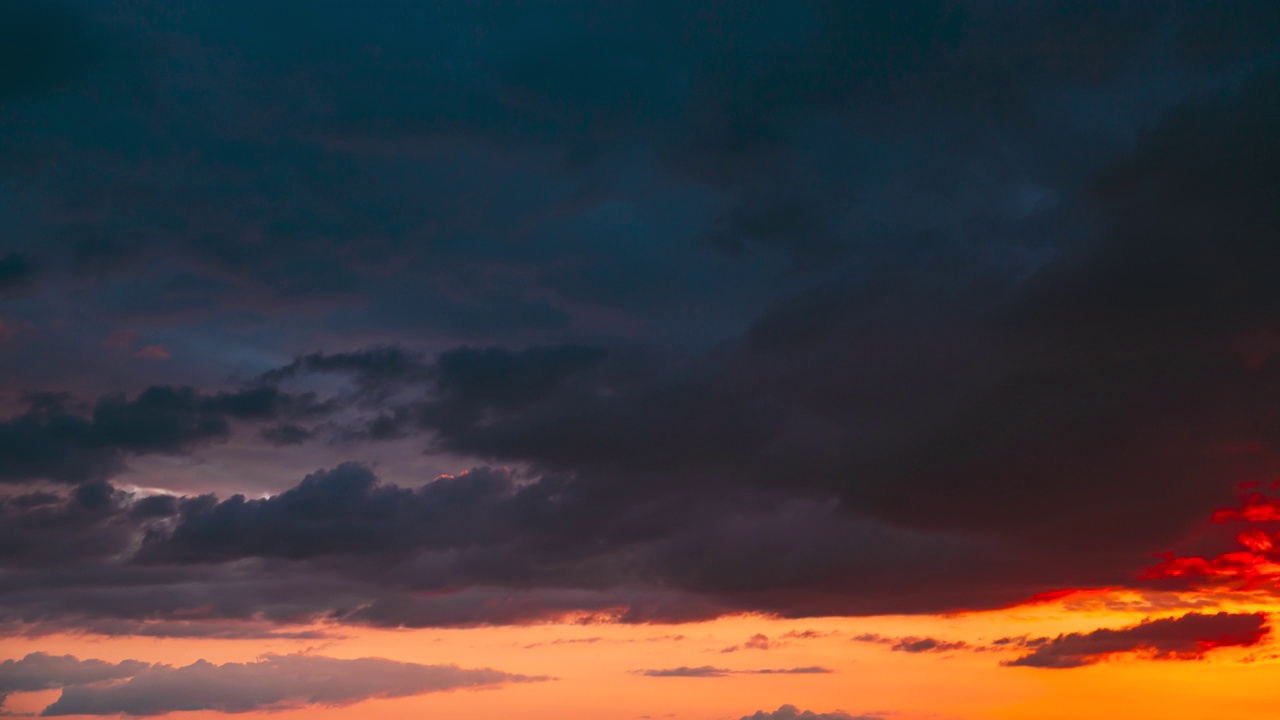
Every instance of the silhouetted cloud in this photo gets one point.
(913, 644)
(1187, 637)
(791, 712)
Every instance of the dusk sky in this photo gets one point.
(751, 360)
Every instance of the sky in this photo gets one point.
(910, 360)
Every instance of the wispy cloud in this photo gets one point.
(706, 671)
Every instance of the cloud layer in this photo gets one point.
(801, 308)
(273, 682)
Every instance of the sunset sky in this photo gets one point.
(884, 360)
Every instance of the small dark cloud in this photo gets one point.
(808, 634)
(759, 641)
(1187, 637)
(273, 682)
(791, 712)
(923, 645)
(683, 671)
(565, 641)
(913, 644)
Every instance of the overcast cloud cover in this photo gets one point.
(660, 313)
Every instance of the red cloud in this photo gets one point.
(1255, 564)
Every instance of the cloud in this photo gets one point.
(272, 682)
(913, 644)
(42, 671)
(791, 712)
(51, 440)
(1187, 637)
(377, 369)
(683, 671)
(341, 511)
(759, 641)
(800, 308)
(709, 671)
(486, 546)
(248, 629)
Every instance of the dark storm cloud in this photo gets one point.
(272, 682)
(972, 406)
(344, 511)
(484, 547)
(484, 527)
(804, 308)
(407, 162)
(54, 440)
(1180, 638)
(91, 522)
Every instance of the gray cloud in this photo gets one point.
(270, 683)
(42, 671)
(52, 440)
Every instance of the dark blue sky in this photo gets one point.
(956, 301)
